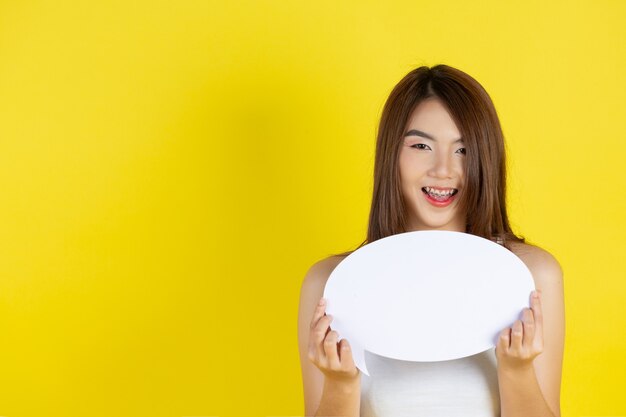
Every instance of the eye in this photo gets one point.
(420, 146)
(462, 150)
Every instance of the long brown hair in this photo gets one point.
(474, 114)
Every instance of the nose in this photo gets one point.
(442, 166)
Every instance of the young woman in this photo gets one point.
(440, 164)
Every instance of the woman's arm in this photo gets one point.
(530, 353)
(340, 398)
(338, 392)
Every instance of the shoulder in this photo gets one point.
(314, 282)
(320, 271)
(544, 267)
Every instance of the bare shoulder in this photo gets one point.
(544, 267)
(320, 271)
(313, 284)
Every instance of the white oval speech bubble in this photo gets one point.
(426, 296)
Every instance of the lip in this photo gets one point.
(437, 203)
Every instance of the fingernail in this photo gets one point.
(322, 301)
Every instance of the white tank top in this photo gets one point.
(460, 387)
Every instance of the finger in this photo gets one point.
(330, 349)
(323, 325)
(504, 341)
(517, 332)
(528, 321)
(319, 312)
(345, 355)
(535, 305)
(319, 334)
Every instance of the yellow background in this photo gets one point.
(170, 170)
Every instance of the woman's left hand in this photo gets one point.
(520, 344)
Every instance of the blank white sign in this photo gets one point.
(426, 296)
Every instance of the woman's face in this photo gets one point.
(432, 163)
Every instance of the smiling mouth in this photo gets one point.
(440, 194)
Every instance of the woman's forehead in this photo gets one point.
(432, 121)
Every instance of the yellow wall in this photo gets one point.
(169, 170)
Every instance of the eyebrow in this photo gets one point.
(415, 132)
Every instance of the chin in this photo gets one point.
(441, 224)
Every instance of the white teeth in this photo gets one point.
(438, 192)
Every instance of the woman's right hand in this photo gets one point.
(332, 358)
